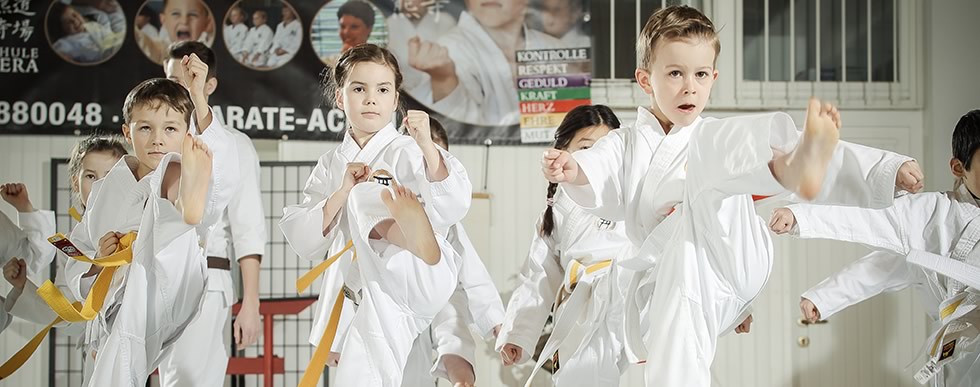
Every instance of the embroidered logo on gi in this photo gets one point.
(61, 242)
(383, 177)
(948, 350)
(604, 224)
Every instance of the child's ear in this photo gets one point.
(127, 134)
(338, 99)
(956, 166)
(643, 79)
(210, 86)
(715, 76)
(74, 184)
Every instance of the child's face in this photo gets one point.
(185, 19)
(496, 13)
(259, 18)
(971, 177)
(586, 137)
(680, 79)
(369, 97)
(287, 14)
(72, 21)
(95, 165)
(156, 129)
(559, 16)
(353, 31)
(237, 17)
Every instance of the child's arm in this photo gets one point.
(37, 225)
(931, 222)
(531, 302)
(593, 178)
(433, 58)
(876, 273)
(23, 301)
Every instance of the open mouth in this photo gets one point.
(686, 108)
(183, 34)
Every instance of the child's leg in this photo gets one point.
(195, 178)
(803, 170)
(411, 229)
(740, 155)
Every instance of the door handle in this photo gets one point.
(804, 322)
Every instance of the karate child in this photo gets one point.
(684, 185)
(336, 208)
(569, 271)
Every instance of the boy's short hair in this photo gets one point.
(438, 132)
(158, 93)
(966, 137)
(179, 49)
(359, 9)
(674, 23)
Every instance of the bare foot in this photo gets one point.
(195, 177)
(803, 170)
(412, 223)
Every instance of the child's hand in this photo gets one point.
(355, 174)
(431, 58)
(16, 195)
(333, 359)
(15, 272)
(194, 75)
(809, 310)
(745, 325)
(109, 243)
(782, 221)
(417, 123)
(510, 354)
(558, 166)
(910, 177)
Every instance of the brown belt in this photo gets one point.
(219, 263)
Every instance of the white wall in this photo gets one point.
(952, 85)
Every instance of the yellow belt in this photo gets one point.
(73, 312)
(575, 273)
(315, 367)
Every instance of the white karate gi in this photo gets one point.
(29, 242)
(476, 301)
(937, 223)
(446, 204)
(586, 331)
(258, 40)
(200, 355)
(235, 38)
(686, 199)
(487, 90)
(152, 299)
(288, 37)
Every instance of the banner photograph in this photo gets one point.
(505, 71)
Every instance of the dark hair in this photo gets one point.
(966, 137)
(673, 23)
(581, 117)
(57, 30)
(178, 50)
(156, 93)
(359, 9)
(438, 133)
(335, 78)
(94, 143)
